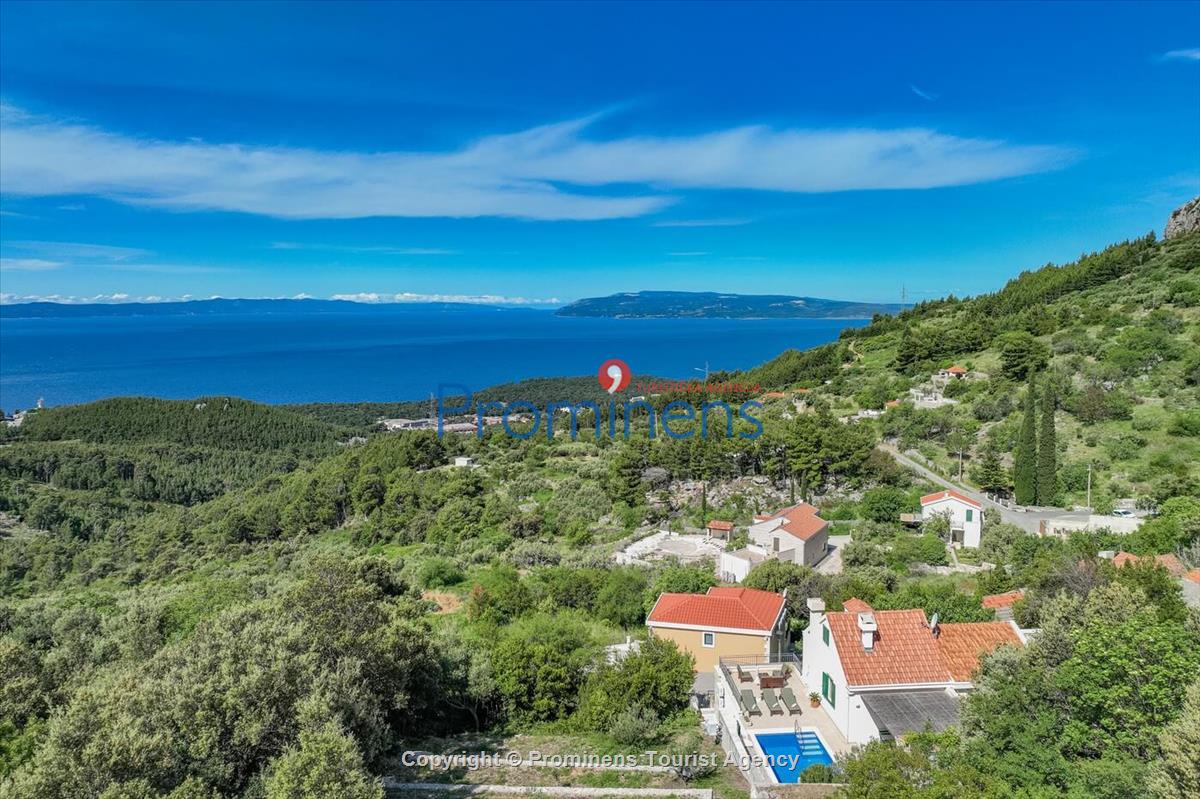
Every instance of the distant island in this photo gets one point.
(212, 307)
(714, 305)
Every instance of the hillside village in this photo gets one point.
(962, 560)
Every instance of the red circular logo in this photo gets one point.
(614, 375)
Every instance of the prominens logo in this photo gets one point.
(614, 375)
(676, 418)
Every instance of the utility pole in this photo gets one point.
(1089, 488)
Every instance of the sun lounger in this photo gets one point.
(749, 703)
(789, 700)
(772, 701)
(744, 676)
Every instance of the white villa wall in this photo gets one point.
(821, 658)
(731, 568)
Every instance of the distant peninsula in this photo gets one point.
(216, 306)
(714, 305)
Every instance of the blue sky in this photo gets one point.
(556, 150)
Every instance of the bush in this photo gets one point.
(439, 573)
(820, 772)
(883, 504)
(634, 725)
(1186, 424)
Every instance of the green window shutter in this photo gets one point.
(969, 512)
(825, 635)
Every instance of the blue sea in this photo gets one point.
(390, 354)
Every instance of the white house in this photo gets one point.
(884, 673)
(463, 461)
(732, 567)
(964, 514)
(794, 535)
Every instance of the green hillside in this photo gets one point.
(224, 422)
(1113, 336)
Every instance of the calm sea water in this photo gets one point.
(397, 353)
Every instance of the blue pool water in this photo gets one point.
(790, 753)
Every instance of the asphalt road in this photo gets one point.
(1028, 520)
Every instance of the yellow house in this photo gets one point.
(723, 623)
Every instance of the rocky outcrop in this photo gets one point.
(1184, 219)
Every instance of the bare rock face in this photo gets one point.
(1184, 219)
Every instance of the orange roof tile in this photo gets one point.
(800, 520)
(856, 605)
(1193, 576)
(729, 607)
(1168, 562)
(993, 601)
(956, 370)
(904, 651)
(940, 495)
(960, 646)
(717, 524)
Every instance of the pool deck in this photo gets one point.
(809, 717)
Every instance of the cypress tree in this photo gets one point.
(1047, 466)
(1025, 459)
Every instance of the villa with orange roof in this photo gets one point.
(726, 622)
(795, 535)
(964, 514)
(1189, 580)
(883, 673)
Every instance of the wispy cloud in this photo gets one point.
(71, 249)
(474, 299)
(28, 264)
(1186, 54)
(549, 172)
(924, 95)
(727, 221)
(368, 249)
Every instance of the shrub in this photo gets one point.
(439, 573)
(634, 725)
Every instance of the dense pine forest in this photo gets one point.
(220, 599)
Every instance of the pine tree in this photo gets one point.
(1047, 466)
(1025, 459)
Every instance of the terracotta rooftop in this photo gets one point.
(800, 520)
(1168, 562)
(962, 645)
(729, 607)
(956, 370)
(1193, 576)
(856, 605)
(940, 495)
(717, 524)
(906, 652)
(993, 601)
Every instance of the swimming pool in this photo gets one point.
(789, 753)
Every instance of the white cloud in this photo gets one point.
(365, 249)
(28, 264)
(1187, 54)
(715, 222)
(73, 250)
(474, 299)
(924, 95)
(533, 174)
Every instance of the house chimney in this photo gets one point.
(867, 629)
(816, 611)
(934, 627)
